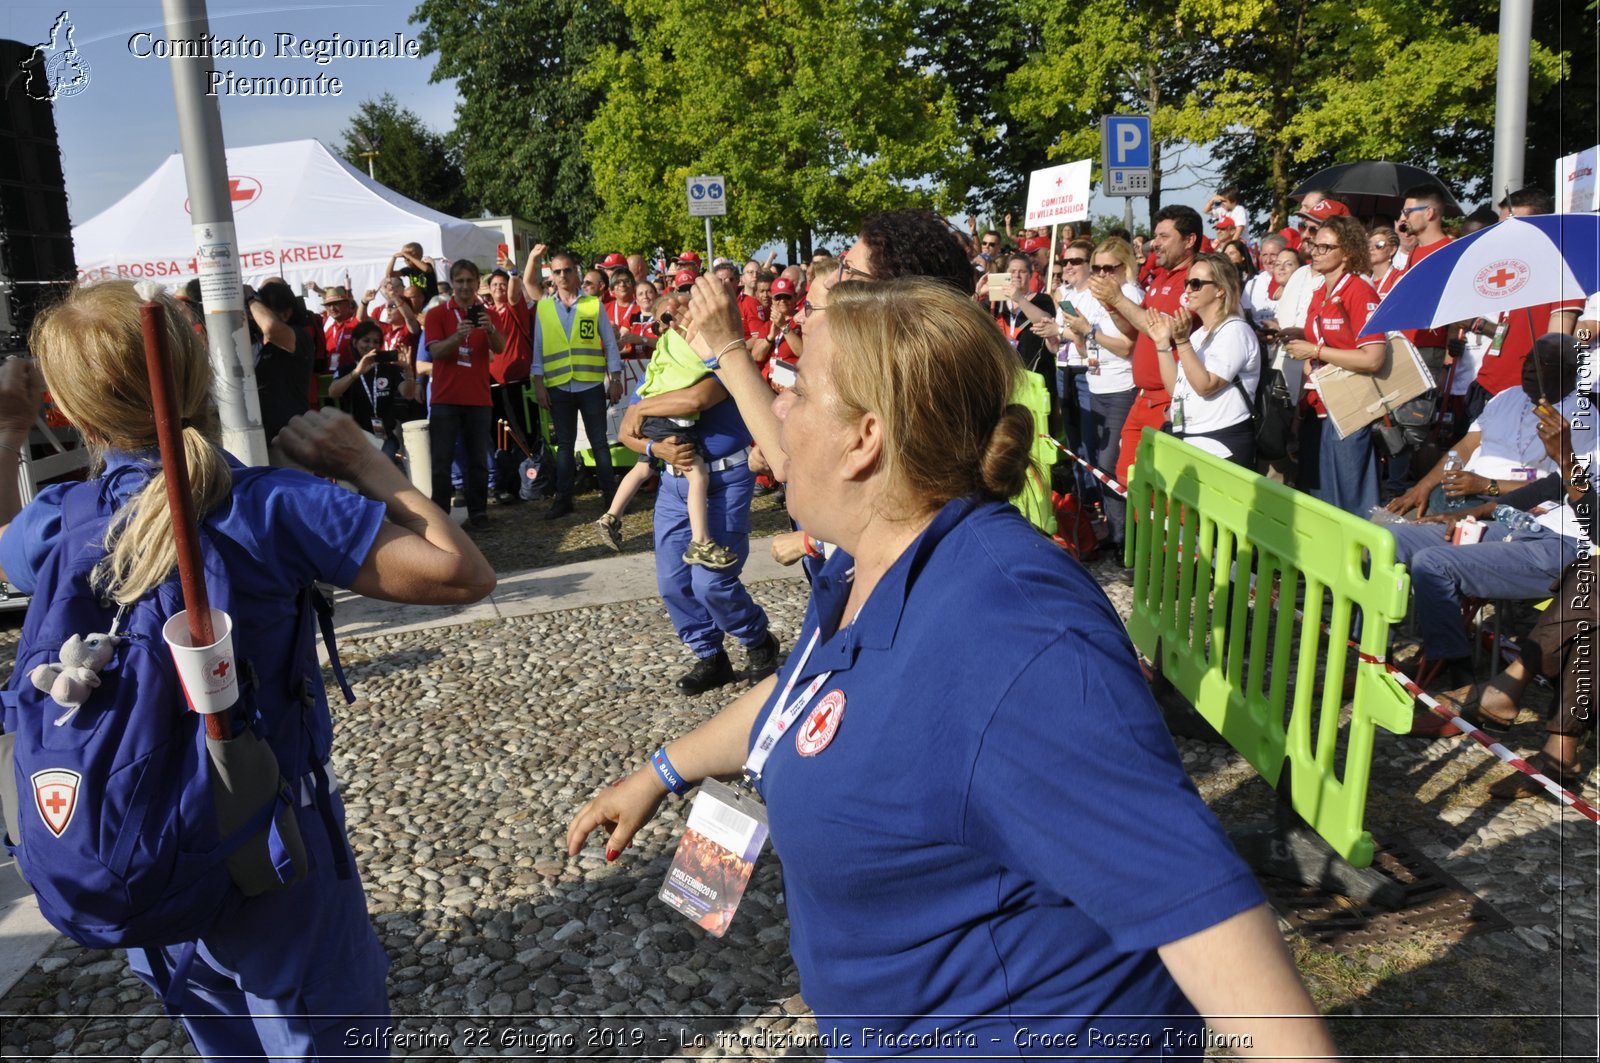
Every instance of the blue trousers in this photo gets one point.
(1506, 564)
(565, 408)
(703, 603)
(296, 974)
(1107, 413)
(1341, 472)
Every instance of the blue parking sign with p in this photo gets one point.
(1127, 141)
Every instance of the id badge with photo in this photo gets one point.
(718, 851)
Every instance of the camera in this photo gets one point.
(388, 357)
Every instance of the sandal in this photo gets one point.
(1520, 785)
(1467, 702)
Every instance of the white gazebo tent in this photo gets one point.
(300, 213)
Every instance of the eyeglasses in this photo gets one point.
(1072, 262)
(1106, 269)
(1318, 249)
(1412, 210)
(564, 269)
(848, 272)
(1194, 284)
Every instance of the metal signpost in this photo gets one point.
(708, 198)
(1125, 159)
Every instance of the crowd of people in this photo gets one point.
(1176, 331)
(883, 391)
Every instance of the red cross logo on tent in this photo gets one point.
(242, 191)
(55, 794)
(820, 727)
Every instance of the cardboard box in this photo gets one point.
(1355, 400)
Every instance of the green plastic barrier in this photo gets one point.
(1035, 502)
(1199, 529)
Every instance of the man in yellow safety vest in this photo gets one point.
(576, 370)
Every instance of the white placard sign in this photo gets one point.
(1058, 193)
(216, 258)
(707, 197)
(1577, 192)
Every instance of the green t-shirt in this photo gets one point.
(673, 367)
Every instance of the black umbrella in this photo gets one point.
(1371, 188)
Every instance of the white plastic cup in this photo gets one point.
(1467, 532)
(419, 451)
(209, 674)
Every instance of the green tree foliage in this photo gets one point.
(973, 47)
(411, 158)
(524, 106)
(816, 113)
(1281, 87)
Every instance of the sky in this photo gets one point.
(123, 124)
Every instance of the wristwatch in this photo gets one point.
(1493, 490)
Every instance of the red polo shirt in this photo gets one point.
(1165, 294)
(461, 379)
(1433, 337)
(1504, 370)
(1338, 318)
(511, 365)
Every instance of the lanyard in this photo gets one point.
(783, 716)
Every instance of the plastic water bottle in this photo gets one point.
(1516, 520)
(1452, 463)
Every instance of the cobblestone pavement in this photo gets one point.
(472, 745)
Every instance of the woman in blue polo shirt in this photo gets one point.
(297, 973)
(990, 848)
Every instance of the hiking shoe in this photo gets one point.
(560, 506)
(710, 555)
(707, 674)
(763, 658)
(612, 527)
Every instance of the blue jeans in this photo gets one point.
(1341, 472)
(474, 424)
(565, 407)
(1106, 414)
(704, 603)
(1505, 564)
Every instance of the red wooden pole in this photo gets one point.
(185, 527)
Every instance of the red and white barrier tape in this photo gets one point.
(1096, 473)
(1555, 789)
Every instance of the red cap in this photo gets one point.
(783, 286)
(1226, 223)
(1291, 237)
(1328, 208)
(689, 256)
(613, 260)
(1028, 245)
(684, 278)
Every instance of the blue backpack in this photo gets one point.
(131, 826)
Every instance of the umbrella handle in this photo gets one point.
(180, 501)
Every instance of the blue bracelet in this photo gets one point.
(669, 775)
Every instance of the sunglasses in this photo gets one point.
(783, 298)
(991, 243)
(1102, 270)
(567, 269)
(1072, 262)
(1378, 245)
(1194, 284)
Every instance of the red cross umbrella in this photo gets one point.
(1516, 264)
